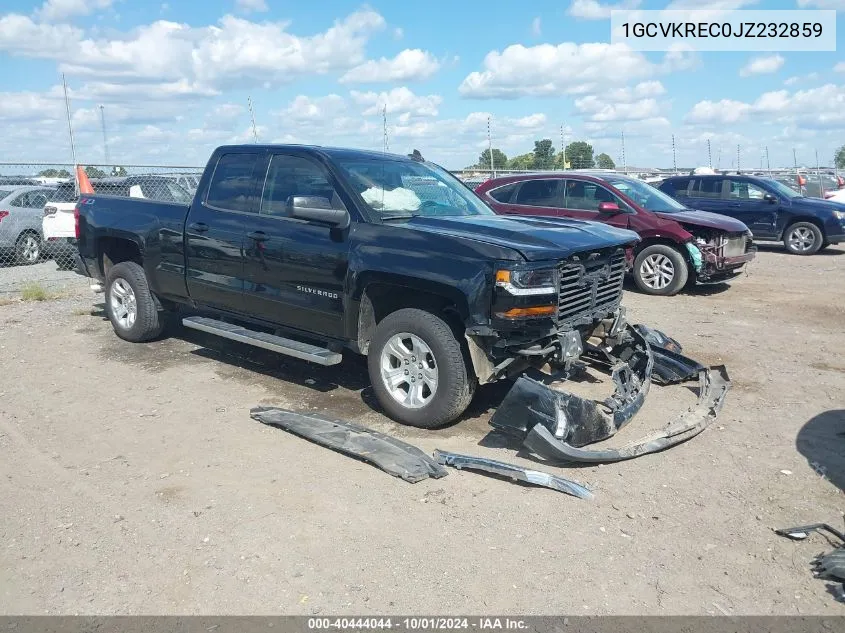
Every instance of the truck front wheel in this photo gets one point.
(130, 305)
(418, 369)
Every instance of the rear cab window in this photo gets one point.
(232, 184)
(503, 193)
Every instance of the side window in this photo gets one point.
(20, 201)
(676, 187)
(294, 176)
(710, 188)
(540, 193)
(38, 199)
(745, 191)
(586, 196)
(231, 184)
(503, 194)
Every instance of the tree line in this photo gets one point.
(576, 155)
(90, 171)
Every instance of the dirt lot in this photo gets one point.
(133, 480)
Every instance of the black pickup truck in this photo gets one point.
(308, 251)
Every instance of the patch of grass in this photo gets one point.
(36, 292)
(82, 312)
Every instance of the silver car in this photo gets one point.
(21, 212)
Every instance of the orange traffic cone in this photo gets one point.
(82, 180)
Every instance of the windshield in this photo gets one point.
(645, 195)
(396, 188)
(4, 193)
(782, 189)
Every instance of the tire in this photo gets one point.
(803, 238)
(419, 338)
(130, 305)
(660, 270)
(28, 248)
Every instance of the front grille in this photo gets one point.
(590, 286)
(734, 246)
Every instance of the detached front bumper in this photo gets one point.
(557, 424)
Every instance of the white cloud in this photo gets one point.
(595, 10)
(546, 69)
(762, 65)
(724, 111)
(839, 68)
(304, 108)
(815, 108)
(398, 101)
(623, 104)
(54, 10)
(408, 65)
(249, 6)
(235, 51)
(536, 27)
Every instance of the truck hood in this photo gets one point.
(706, 219)
(814, 205)
(534, 238)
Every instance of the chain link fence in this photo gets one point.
(37, 226)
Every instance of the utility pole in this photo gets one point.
(490, 148)
(70, 130)
(719, 159)
(563, 147)
(105, 142)
(386, 142)
(795, 160)
(624, 160)
(819, 176)
(738, 151)
(709, 155)
(252, 115)
(768, 164)
(674, 159)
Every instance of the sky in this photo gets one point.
(174, 78)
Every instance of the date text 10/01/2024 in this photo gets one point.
(416, 624)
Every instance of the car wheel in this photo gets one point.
(130, 305)
(660, 270)
(418, 369)
(28, 248)
(803, 238)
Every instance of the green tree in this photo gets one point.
(603, 161)
(523, 161)
(54, 173)
(840, 158)
(500, 161)
(579, 154)
(94, 172)
(544, 154)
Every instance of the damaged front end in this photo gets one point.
(716, 256)
(557, 424)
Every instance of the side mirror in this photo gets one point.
(770, 198)
(317, 209)
(609, 208)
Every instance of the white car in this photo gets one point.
(59, 227)
(836, 196)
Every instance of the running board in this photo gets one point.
(285, 346)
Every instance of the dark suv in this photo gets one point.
(771, 210)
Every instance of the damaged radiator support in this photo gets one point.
(557, 424)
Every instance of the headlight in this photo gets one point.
(839, 215)
(540, 281)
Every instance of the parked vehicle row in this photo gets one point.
(37, 220)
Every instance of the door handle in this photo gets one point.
(199, 227)
(258, 236)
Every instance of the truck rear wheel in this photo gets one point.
(418, 369)
(130, 305)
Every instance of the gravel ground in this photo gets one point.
(134, 481)
(44, 274)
